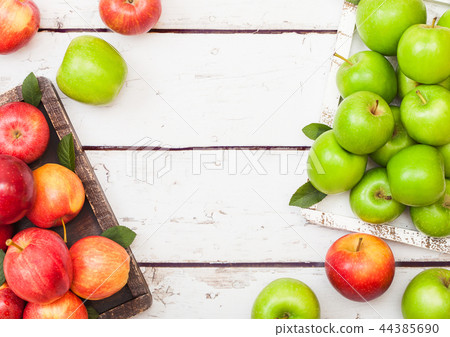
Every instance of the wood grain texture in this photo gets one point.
(97, 214)
(224, 206)
(230, 292)
(250, 84)
(205, 14)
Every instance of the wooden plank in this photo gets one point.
(230, 292)
(221, 206)
(192, 89)
(205, 14)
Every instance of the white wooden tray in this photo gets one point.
(348, 42)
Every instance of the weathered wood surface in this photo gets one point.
(230, 292)
(221, 206)
(97, 214)
(205, 14)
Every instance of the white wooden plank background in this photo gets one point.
(205, 14)
(234, 73)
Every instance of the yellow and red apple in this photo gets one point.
(67, 307)
(11, 306)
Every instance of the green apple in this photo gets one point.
(399, 141)
(425, 113)
(424, 53)
(444, 21)
(331, 169)
(363, 123)
(445, 152)
(416, 175)
(427, 296)
(367, 71)
(92, 71)
(434, 220)
(371, 199)
(405, 84)
(286, 298)
(381, 23)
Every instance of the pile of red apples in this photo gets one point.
(44, 278)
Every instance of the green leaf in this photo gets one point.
(2, 274)
(92, 313)
(120, 234)
(30, 90)
(314, 130)
(306, 196)
(355, 2)
(66, 152)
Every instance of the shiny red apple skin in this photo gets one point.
(360, 275)
(130, 17)
(24, 132)
(42, 272)
(6, 232)
(110, 261)
(60, 196)
(11, 306)
(17, 189)
(19, 22)
(67, 307)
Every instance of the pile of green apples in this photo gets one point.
(409, 142)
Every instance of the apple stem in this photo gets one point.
(433, 24)
(64, 229)
(359, 244)
(10, 242)
(424, 101)
(342, 58)
(374, 110)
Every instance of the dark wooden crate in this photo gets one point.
(96, 215)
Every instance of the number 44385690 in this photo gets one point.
(409, 328)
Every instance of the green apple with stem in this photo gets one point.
(434, 220)
(427, 296)
(399, 141)
(444, 21)
(424, 52)
(92, 71)
(381, 23)
(425, 113)
(405, 84)
(416, 175)
(367, 71)
(371, 200)
(445, 152)
(331, 169)
(286, 298)
(363, 123)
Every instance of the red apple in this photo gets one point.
(360, 266)
(37, 266)
(11, 306)
(130, 17)
(67, 307)
(17, 189)
(108, 259)
(19, 22)
(59, 196)
(6, 232)
(24, 132)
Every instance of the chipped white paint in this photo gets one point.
(205, 14)
(230, 292)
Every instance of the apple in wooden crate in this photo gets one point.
(67, 307)
(130, 17)
(24, 132)
(11, 306)
(60, 196)
(360, 267)
(17, 189)
(37, 266)
(110, 261)
(19, 22)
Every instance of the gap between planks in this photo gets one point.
(198, 31)
(193, 148)
(410, 264)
